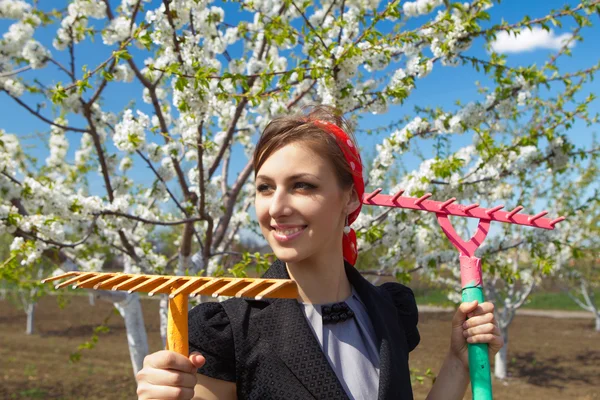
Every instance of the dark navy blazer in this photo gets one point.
(269, 350)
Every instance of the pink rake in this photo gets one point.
(470, 266)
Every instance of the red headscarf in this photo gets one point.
(349, 246)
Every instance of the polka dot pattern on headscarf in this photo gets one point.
(350, 248)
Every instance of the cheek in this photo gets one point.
(262, 210)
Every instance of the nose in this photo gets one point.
(280, 204)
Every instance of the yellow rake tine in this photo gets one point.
(122, 285)
(87, 281)
(112, 279)
(250, 287)
(274, 287)
(230, 285)
(61, 276)
(74, 279)
(164, 285)
(207, 285)
(142, 286)
(189, 284)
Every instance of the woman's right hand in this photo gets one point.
(168, 375)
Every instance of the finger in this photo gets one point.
(197, 359)
(165, 392)
(482, 308)
(166, 359)
(479, 330)
(483, 338)
(497, 331)
(461, 313)
(479, 320)
(167, 377)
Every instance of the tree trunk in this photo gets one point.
(30, 310)
(500, 363)
(163, 312)
(598, 322)
(131, 310)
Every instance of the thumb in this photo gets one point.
(463, 310)
(197, 359)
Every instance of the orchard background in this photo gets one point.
(127, 130)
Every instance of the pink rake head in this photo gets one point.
(448, 207)
(470, 266)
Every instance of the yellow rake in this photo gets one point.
(179, 288)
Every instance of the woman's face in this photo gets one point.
(300, 206)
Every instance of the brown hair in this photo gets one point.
(282, 131)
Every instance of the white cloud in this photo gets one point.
(528, 40)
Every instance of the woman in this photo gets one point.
(343, 338)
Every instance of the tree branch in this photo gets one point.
(41, 117)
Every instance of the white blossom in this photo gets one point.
(130, 132)
(13, 9)
(117, 31)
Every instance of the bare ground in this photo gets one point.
(550, 358)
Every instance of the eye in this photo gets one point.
(304, 186)
(262, 188)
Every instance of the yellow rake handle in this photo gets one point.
(179, 288)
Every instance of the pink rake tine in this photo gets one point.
(375, 193)
(398, 194)
(472, 206)
(422, 198)
(536, 216)
(556, 221)
(493, 210)
(447, 203)
(513, 212)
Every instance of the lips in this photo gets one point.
(287, 233)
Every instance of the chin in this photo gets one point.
(288, 255)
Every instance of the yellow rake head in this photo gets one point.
(179, 288)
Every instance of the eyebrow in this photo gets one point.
(291, 178)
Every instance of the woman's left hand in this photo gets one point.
(480, 327)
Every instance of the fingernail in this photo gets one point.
(465, 325)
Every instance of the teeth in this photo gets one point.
(289, 231)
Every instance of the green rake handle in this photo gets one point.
(479, 362)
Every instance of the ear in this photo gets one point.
(353, 202)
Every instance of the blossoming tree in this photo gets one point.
(208, 82)
(580, 276)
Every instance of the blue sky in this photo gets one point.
(441, 88)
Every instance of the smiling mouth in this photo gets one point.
(289, 231)
(287, 234)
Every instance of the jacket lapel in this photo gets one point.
(394, 376)
(293, 341)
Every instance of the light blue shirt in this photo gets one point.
(349, 347)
